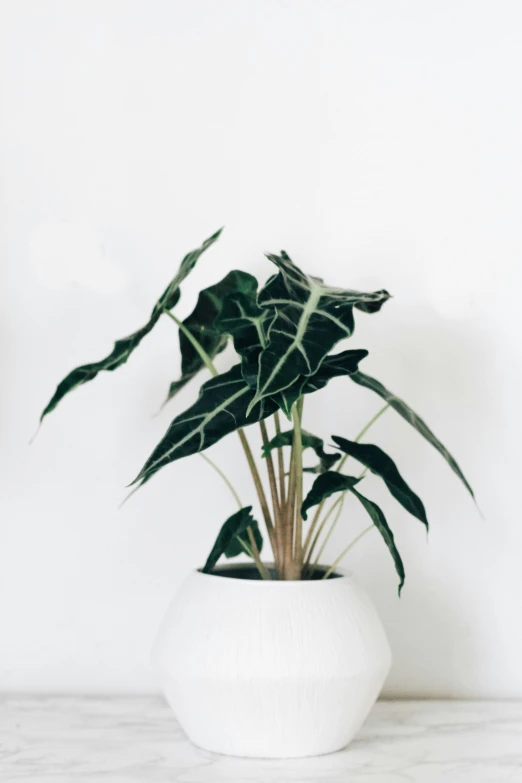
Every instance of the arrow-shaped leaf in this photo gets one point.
(309, 441)
(220, 408)
(381, 464)
(411, 417)
(379, 520)
(235, 525)
(203, 322)
(246, 322)
(310, 318)
(343, 363)
(325, 485)
(124, 347)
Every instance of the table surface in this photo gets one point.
(137, 739)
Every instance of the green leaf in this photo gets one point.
(220, 408)
(236, 548)
(310, 318)
(309, 441)
(379, 520)
(382, 465)
(246, 322)
(411, 417)
(328, 484)
(234, 526)
(325, 485)
(203, 322)
(343, 363)
(124, 347)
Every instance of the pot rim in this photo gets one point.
(221, 571)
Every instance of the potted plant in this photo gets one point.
(283, 657)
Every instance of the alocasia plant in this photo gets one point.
(283, 333)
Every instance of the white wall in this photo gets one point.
(379, 143)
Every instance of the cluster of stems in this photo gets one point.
(295, 555)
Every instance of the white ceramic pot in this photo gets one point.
(271, 669)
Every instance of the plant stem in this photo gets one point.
(288, 529)
(224, 477)
(207, 361)
(327, 537)
(259, 489)
(250, 552)
(263, 570)
(297, 413)
(363, 433)
(203, 355)
(321, 505)
(308, 555)
(345, 551)
(275, 499)
(280, 461)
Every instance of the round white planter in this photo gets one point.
(271, 669)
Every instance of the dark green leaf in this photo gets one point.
(326, 461)
(310, 318)
(202, 323)
(234, 526)
(379, 520)
(406, 412)
(328, 484)
(124, 347)
(246, 322)
(343, 363)
(236, 548)
(380, 463)
(325, 485)
(220, 408)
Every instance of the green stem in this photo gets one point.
(339, 500)
(207, 361)
(224, 477)
(363, 433)
(309, 553)
(280, 463)
(345, 551)
(203, 355)
(320, 507)
(327, 537)
(297, 414)
(263, 570)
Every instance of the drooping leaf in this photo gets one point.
(233, 527)
(411, 417)
(220, 408)
(382, 465)
(379, 520)
(325, 485)
(203, 321)
(326, 460)
(328, 484)
(310, 318)
(236, 548)
(343, 363)
(124, 347)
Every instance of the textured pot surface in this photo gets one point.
(271, 669)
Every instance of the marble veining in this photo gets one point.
(136, 740)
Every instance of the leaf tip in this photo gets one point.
(128, 496)
(34, 436)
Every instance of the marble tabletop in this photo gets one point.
(136, 739)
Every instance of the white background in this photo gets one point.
(379, 143)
